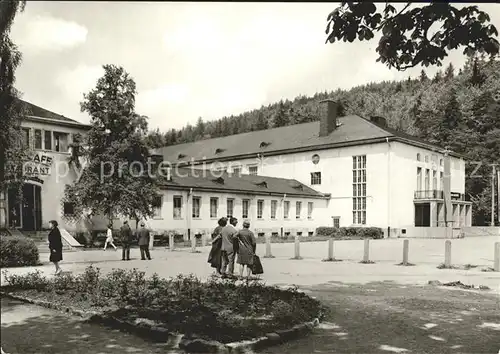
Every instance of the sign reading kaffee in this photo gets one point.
(38, 165)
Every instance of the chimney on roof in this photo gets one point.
(328, 117)
(379, 120)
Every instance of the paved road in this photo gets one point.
(390, 318)
(30, 329)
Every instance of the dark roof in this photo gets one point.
(39, 112)
(351, 130)
(186, 178)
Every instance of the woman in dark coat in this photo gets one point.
(215, 256)
(247, 245)
(55, 245)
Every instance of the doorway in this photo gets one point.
(25, 212)
(423, 214)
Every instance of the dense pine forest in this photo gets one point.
(458, 108)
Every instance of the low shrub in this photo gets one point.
(18, 251)
(350, 232)
(218, 309)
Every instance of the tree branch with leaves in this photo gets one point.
(407, 39)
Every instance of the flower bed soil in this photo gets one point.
(216, 310)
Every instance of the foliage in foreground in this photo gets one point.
(217, 309)
(18, 252)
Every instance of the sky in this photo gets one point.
(191, 60)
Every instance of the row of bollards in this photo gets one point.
(206, 241)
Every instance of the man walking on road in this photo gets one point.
(227, 250)
(143, 236)
(126, 236)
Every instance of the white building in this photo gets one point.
(376, 176)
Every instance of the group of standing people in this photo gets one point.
(127, 237)
(230, 244)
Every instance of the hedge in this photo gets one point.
(350, 232)
(18, 251)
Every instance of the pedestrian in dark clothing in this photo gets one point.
(215, 256)
(55, 245)
(143, 240)
(228, 250)
(126, 236)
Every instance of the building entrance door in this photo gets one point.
(25, 212)
(423, 214)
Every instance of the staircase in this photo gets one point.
(41, 239)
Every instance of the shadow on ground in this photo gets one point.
(390, 318)
(31, 329)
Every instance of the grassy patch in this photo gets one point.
(367, 262)
(218, 309)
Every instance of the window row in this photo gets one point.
(230, 203)
(434, 159)
(427, 185)
(45, 140)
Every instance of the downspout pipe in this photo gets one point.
(388, 187)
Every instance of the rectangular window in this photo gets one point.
(38, 139)
(419, 178)
(260, 208)
(274, 208)
(253, 170)
(298, 210)
(237, 171)
(230, 207)
(286, 209)
(441, 180)
(214, 207)
(336, 222)
(310, 208)
(177, 207)
(427, 175)
(61, 142)
(434, 180)
(47, 141)
(157, 204)
(245, 207)
(26, 138)
(196, 207)
(315, 178)
(68, 209)
(358, 190)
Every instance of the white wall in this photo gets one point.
(166, 220)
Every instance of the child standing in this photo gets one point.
(109, 237)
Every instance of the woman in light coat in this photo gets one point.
(109, 237)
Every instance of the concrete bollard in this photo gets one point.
(193, 243)
(496, 259)
(330, 249)
(447, 254)
(171, 244)
(151, 240)
(297, 247)
(208, 239)
(268, 247)
(406, 249)
(366, 251)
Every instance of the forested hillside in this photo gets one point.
(458, 108)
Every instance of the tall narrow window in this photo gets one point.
(230, 207)
(434, 180)
(419, 178)
(274, 207)
(214, 207)
(245, 208)
(427, 182)
(26, 138)
(260, 208)
(47, 140)
(315, 178)
(157, 204)
(359, 190)
(310, 208)
(336, 222)
(196, 207)
(441, 181)
(61, 142)
(286, 209)
(298, 210)
(177, 207)
(38, 139)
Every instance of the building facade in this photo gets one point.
(375, 175)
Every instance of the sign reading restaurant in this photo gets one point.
(38, 164)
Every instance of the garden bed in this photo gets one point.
(217, 310)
